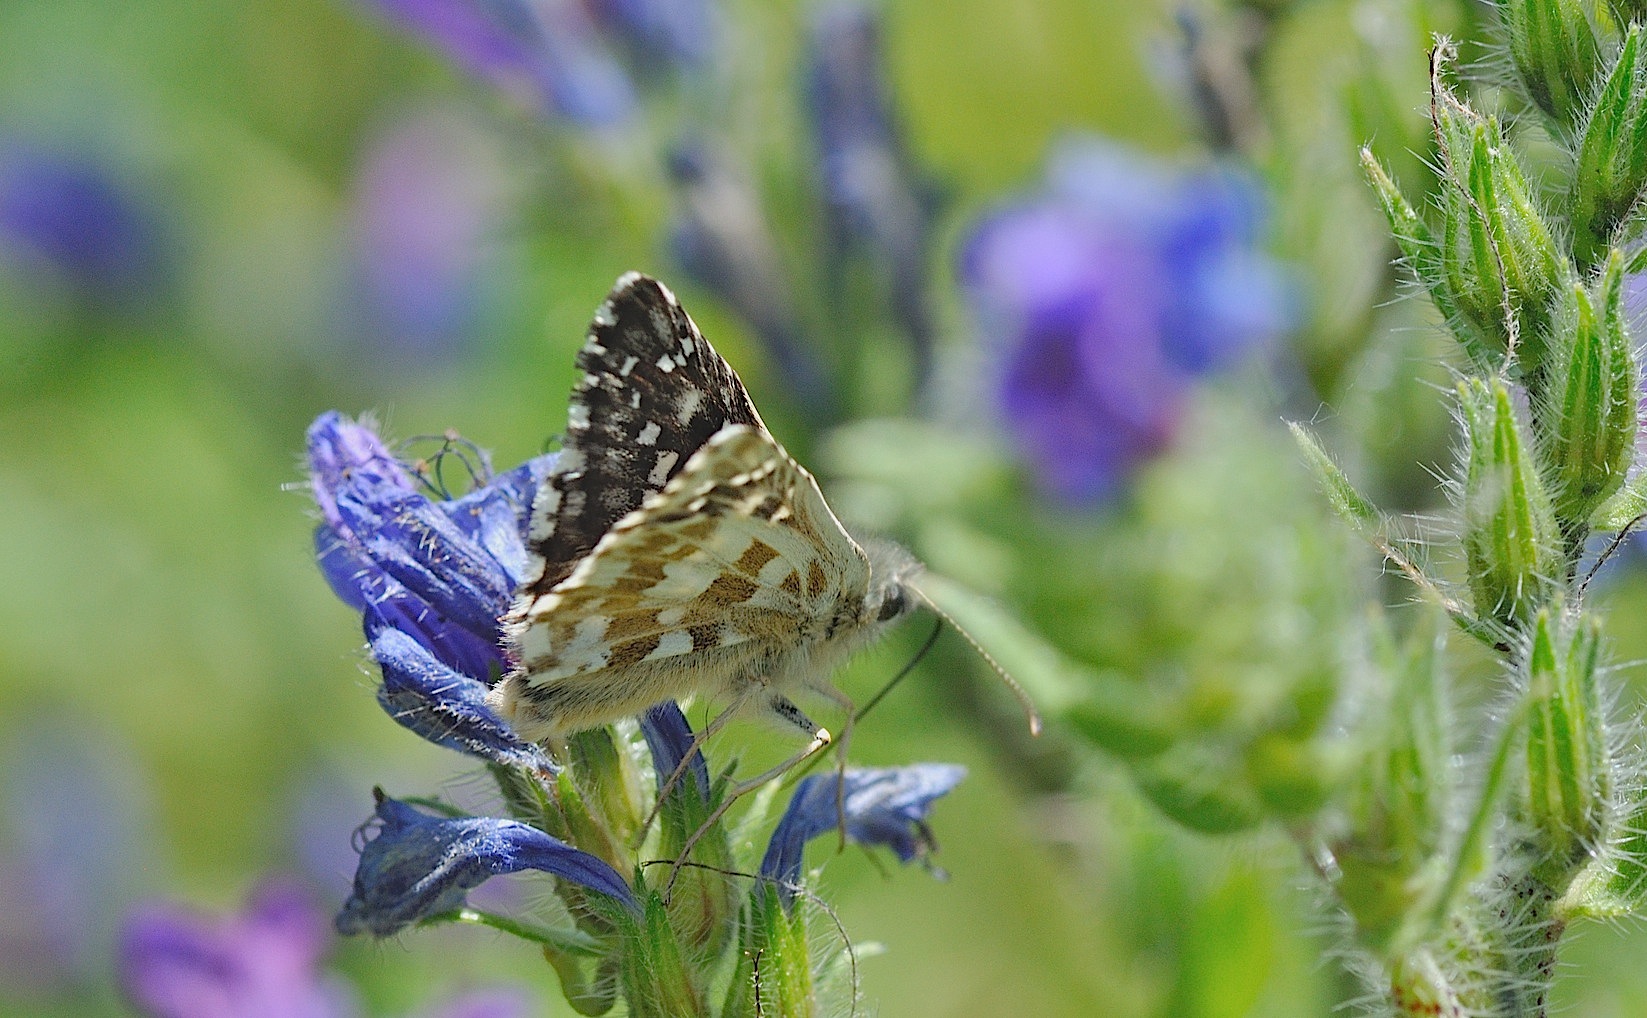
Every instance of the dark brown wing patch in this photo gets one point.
(652, 393)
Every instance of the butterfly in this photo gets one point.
(677, 549)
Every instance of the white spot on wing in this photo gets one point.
(649, 434)
(691, 399)
(660, 469)
(629, 363)
(676, 641)
(666, 364)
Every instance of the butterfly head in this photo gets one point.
(891, 571)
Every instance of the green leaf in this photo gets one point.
(1350, 505)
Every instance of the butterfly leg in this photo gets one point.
(780, 707)
(829, 692)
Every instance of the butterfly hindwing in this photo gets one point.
(739, 546)
(652, 393)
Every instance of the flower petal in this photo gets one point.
(669, 738)
(418, 866)
(341, 449)
(443, 705)
(881, 805)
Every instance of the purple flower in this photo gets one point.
(1106, 294)
(80, 224)
(263, 963)
(882, 806)
(430, 199)
(419, 866)
(541, 51)
(871, 193)
(431, 577)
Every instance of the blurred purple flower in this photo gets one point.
(871, 193)
(662, 33)
(81, 224)
(881, 805)
(430, 199)
(263, 963)
(545, 52)
(418, 866)
(432, 577)
(76, 844)
(1106, 294)
(723, 241)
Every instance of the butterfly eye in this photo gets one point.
(892, 604)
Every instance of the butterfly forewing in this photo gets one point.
(652, 393)
(739, 546)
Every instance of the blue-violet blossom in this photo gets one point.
(1106, 293)
(880, 806)
(418, 866)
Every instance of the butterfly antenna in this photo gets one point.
(1018, 691)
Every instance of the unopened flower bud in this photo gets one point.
(1612, 157)
(1588, 412)
(1569, 780)
(1553, 51)
(1511, 538)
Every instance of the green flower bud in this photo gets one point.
(1612, 157)
(1554, 53)
(1398, 806)
(658, 980)
(1588, 413)
(1511, 540)
(774, 971)
(1499, 259)
(1569, 778)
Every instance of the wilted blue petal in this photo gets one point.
(175, 963)
(418, 866)
(444, 706)
(669, 738)
(882, 806)
(339, 450)
(546, 52)
(418, 545)
(498, 514)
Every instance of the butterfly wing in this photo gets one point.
(652, 393)
(738, 550)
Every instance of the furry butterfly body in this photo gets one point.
(678, 549)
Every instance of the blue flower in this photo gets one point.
(431, 577)
(443, 705)
(544, 52)
(1105, 296)
(418, 866)
(81, 225)
(882, 806)
(669, 738)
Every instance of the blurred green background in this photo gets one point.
(183, 704)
